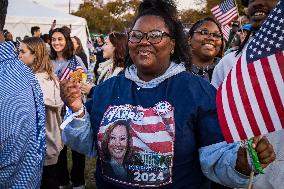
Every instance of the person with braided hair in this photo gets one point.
(171, 113)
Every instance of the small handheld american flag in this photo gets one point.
(250, 101)
(225, 13)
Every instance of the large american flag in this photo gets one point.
(225, 13)
(250, 101)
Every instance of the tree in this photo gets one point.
(113, 16)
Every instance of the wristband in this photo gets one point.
(71, 117)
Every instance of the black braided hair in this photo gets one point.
(3, 12)
(166, 9)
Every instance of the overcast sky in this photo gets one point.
(63, 4)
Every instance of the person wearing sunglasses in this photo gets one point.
(171, 113)
(207, 47)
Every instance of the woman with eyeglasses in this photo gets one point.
(207, 47)
(174, 129)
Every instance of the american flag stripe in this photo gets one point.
(260, 100)
(150, 128)
(238, 103)
(244, 98)
(250, 101)
(268, 89)
(275, 92)
(233, 108)
(225, 12)
(278, 72)
(225, 118)
(265, 108)
(226, 31)
(228, 17)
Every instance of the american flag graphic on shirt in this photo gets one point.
(250, 101)
(152, 133)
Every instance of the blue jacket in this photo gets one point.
(22, 123)
(181, 112)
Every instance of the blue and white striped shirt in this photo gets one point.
(22, 123)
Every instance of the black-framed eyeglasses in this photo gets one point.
(153, 37)
(207, 34)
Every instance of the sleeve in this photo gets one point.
(78, 135)
(218, 163)
(222, 69)
(17, 139)
(218, 75)
(207, 117)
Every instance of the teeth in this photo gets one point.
(144, 52)
(259, 14)
(209, 45)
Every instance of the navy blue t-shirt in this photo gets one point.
(165, 127)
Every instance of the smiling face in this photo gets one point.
(206, 46)
(25, 55)
(117, 145)
(58, 42)
(258, 10)
(151, 60)
(108, 49)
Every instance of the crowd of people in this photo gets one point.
(148, 114)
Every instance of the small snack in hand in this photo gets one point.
(77, 76)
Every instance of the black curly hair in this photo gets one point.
(3, 12)
(166, 9)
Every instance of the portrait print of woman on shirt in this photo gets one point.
(134, 152)
(116, 148)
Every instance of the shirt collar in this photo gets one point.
(7, 51)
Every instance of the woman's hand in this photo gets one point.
(70, 93)
(86, 88)
(265, 153)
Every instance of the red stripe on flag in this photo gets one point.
(234, 110)
(222, 118)
(280, 60)
(162, 147)
(273, 89)
(245, 100)
(259, 96)
(150, 128)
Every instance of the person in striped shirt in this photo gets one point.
(22, 119)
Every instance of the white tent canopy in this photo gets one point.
(23, 14)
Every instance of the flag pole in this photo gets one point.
(250, 180)
(239, 15)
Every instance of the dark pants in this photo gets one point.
(49, 177)
(77, 171)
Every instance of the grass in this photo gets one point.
(89, 170)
